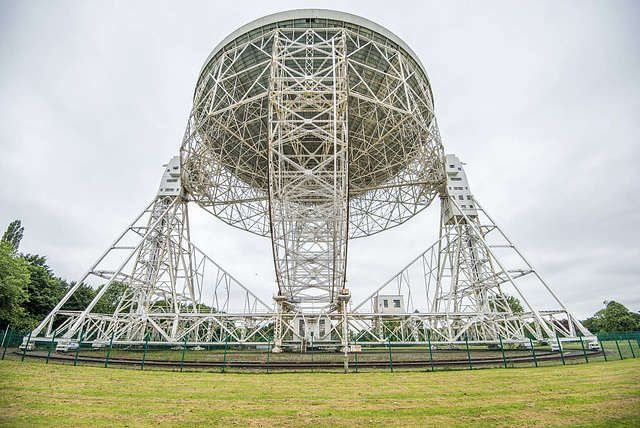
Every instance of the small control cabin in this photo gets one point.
(319, 326)
(459, 191)
(170, 184)
(389, 304)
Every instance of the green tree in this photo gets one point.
(84, 294)
(13, 235)
(636, 318)
(614, 317)
(109, 301)
(80, 299)
(514, 304)
(592, 324)
(618, 318)
(44, 289)
(512, 301)
(14, 280)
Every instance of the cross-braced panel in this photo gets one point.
(308, 165)
(169, 290)
(456, 291)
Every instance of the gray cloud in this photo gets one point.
(540, 99)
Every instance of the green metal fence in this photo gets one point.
(390, 356)
(10, 339)
(619, 335)
(620, 345)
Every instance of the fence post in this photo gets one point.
(355, 343)
(106, 361)
(466, 340)
(268, 352)
(144, 354)
(631, 347)
(560, 347)
(430, 353)
(184, 349)
(226, 342)
(533, 351)
(504, 360)
(5, 336)
(584, 351)
(75, 360)
(618, 346)
(6, 344)
(604, 354)
(26, 346)
(53, 339)
(390, 357)
(311, 352)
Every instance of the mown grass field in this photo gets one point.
(33, 394)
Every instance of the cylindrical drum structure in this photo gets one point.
(312, 126)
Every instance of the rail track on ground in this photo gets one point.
(337, 364)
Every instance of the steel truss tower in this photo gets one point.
(161, 277)
(308, 166)
(455, 290)
(312, 127)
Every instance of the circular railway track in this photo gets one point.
(337, 364)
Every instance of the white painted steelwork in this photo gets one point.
(313, 127)
(455, 289)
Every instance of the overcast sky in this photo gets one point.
(540, 99)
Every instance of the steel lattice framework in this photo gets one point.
(453, 291)
(308, 165)
(310, 134)
(313, 127)
(394, 153)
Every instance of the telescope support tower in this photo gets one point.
(308, 167)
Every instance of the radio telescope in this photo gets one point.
(313, 127)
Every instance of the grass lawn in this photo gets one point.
(33, 394)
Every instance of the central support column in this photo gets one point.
(308, 166)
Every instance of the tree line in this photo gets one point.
(29, 290)
(613, 317)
